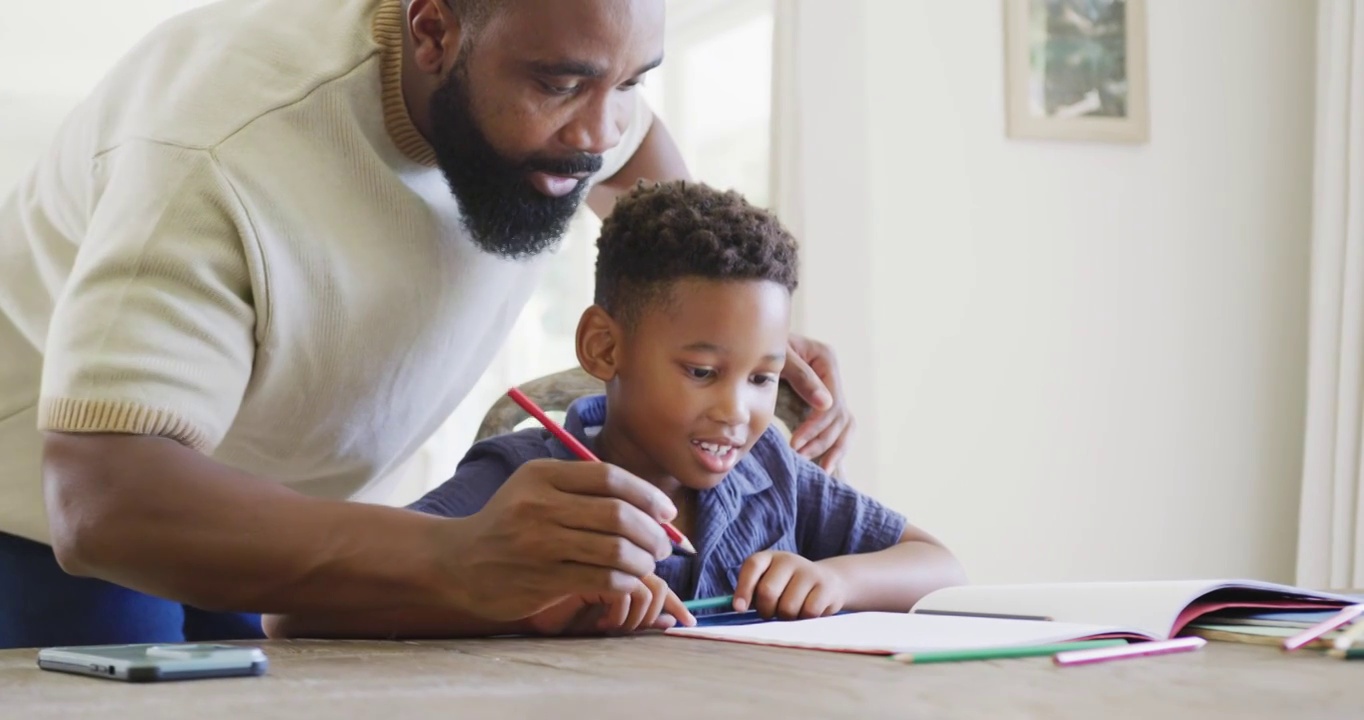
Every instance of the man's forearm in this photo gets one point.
(409, 623)
(893, 579)
(152, 515)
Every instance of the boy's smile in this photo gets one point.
(718, 456)
(694, 381)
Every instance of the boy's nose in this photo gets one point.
(730, 410)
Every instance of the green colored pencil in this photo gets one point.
(1347, 645)
(936, 656)
(724, 601)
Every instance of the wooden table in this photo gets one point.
(648, 678)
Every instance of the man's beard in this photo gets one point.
(502, 211)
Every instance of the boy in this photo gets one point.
(689, 333)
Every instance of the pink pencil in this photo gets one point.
(583, 453)
(1344, 617)
(1120, 652)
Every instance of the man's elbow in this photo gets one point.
(75, 539)
(275, 627)
(78, 518)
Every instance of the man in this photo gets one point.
(262, 262)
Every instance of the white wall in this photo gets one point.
(1088, 359)
(831, 208)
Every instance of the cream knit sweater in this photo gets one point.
(240, 241)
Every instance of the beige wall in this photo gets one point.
(1085, 361)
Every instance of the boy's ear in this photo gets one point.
(598, 343)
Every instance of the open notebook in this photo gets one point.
(1159, 610)
(1074, 611)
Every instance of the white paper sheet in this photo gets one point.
(889, 633)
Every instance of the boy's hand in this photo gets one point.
(650, 606)
(788, 586)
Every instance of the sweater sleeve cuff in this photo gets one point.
(113, 416)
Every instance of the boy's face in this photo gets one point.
(696, 377)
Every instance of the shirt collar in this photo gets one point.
(387, 30)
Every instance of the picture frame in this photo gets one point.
(1076, 70)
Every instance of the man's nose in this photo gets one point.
(597, 125)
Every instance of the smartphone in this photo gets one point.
(155, 662)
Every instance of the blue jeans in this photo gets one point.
(42, 606)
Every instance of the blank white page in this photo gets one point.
(890, 633)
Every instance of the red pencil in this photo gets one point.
(579, 449)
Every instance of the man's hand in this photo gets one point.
(812, 371)
(652, 605)
(555, 529)
(788, 586)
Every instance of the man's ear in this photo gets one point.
(598, 343)
(436, 36)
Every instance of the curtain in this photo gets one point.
(1331, 516)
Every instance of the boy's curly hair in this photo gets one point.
(664, 232)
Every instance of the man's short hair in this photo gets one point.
(473, 13)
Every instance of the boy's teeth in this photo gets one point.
(714, 449)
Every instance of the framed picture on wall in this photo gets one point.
(1076, 70)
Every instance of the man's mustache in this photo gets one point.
(575, 165)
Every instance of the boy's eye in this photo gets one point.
(701, 373)
(761, 380)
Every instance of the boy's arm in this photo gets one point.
(790, 586)
(880, 561)
(894, 579)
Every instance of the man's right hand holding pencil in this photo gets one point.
(566, 547)
(560, 548)
(650, 606)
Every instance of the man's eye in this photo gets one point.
(553, 89)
